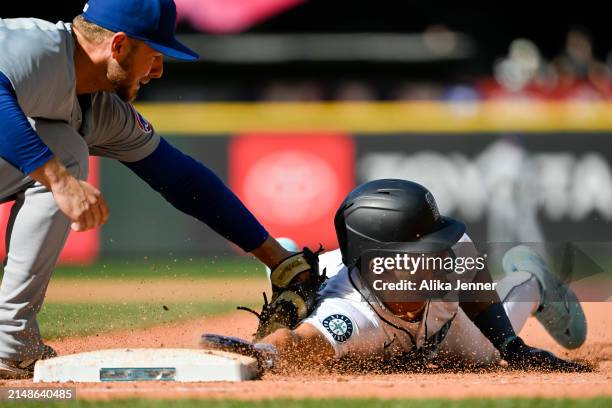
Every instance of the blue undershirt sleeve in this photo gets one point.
(195, 190)
(19, 143)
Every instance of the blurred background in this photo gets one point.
(503, 111)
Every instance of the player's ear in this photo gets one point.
(119, 45)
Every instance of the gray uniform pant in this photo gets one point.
(35, 235)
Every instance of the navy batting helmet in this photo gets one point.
(390, 214)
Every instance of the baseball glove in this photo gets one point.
(295, 283)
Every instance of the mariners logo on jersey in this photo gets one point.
(339, 326)
(142, 122)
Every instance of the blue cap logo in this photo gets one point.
(151, 21)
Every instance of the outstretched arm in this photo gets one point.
(195, 190)
(283, 350)
(303, 344)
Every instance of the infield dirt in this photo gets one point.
(316, 384)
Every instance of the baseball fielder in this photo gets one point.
(65, 93)
(349, 321)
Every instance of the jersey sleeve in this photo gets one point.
(350, 327)
(349, 324)
(117, 130)
(19, 143)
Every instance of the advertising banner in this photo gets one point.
(293, 183)
(539, 187)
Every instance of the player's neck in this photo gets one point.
(89, 68)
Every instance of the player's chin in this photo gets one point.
(128, 94)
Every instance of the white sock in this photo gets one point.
(522, 300)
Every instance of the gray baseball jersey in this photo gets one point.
(37, 57)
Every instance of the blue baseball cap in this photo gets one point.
(151, 21)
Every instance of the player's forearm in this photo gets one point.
(296, 347)
(195, 190)
(285, 341)
(50, 174)
(270, 252)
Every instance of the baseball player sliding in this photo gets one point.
(348, 320)
(65, 93)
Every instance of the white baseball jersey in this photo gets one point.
(354, 326)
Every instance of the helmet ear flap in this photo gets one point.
(341, 230)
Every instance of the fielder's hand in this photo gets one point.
(521, 356)
(295, 283)
(82, 203)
